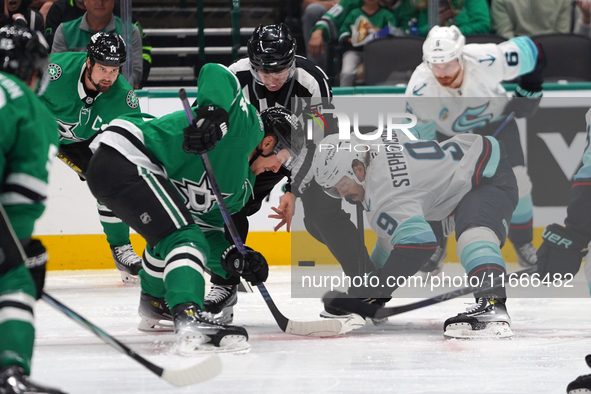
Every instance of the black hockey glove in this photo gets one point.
(561, 252)
(528, 92)
(207, 129)
(36, 263)
(253, 268)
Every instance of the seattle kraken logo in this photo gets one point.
(471, 119)
(199, 197)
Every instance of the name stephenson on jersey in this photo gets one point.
(480, 99)
(425, 180)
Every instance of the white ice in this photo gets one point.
(408, 354)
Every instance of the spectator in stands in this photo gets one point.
(325, 30)
(73, 36)
(583, 18)
(59, 12)
(312, 11)
(14, 8)
(513, 18)
(67, 10)
(470, 16)
(361, 26)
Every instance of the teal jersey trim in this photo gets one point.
(379, 256)
(495, 158)
(415, 230)
(529, 54)
(481, 253)
(524, 211)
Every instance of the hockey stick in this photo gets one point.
(502, 125)
(205, 370)
(361, 236)
(70, 164)
(328, 327)
(339, 300)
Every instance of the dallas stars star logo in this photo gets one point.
(66, 131)
(199, 197)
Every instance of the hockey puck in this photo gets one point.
(306, 263)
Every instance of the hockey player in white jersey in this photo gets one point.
(457, 89)
(466, 181)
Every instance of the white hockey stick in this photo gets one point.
(322, 328)
(201, 372)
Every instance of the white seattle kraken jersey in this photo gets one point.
(480, 99)
(424, 181)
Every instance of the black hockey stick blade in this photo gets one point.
(340, 301)
(201, 372)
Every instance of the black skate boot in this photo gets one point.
(526, 255)
(154, 313)
(127, 262)
(196, 332)
(487, 319)
(582, 384)
(220, 301)
(14, 381)
(435, 264)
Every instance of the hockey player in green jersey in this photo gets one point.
(145, 170)
(85, 92)
(28, 144)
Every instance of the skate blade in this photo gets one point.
(492, 330)
(187, 348)
(379, 322)
(129, 279)
(349, 322)
(152, 325)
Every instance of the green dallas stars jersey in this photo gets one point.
(163, 138)
(65, 96)
(28, 144)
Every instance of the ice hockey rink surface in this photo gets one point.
(408, 354)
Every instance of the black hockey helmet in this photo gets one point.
(271, 48)
(107, 49)
(23, 52)
(286, 127)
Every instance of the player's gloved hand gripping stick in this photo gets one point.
(323, 328)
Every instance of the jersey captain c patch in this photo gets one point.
(132, 100)
(54, 71)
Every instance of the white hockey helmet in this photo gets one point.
(332, 161)
(443, 44)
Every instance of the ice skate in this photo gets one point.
(349, 321)
(526, 255)
(220, 301)
(197, 333)
(154, 314)
(14, 381)
(435, 264)
(581, 385)
(488, 318)
(127, 262)
(354, 320)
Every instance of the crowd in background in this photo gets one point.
(340, 28)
